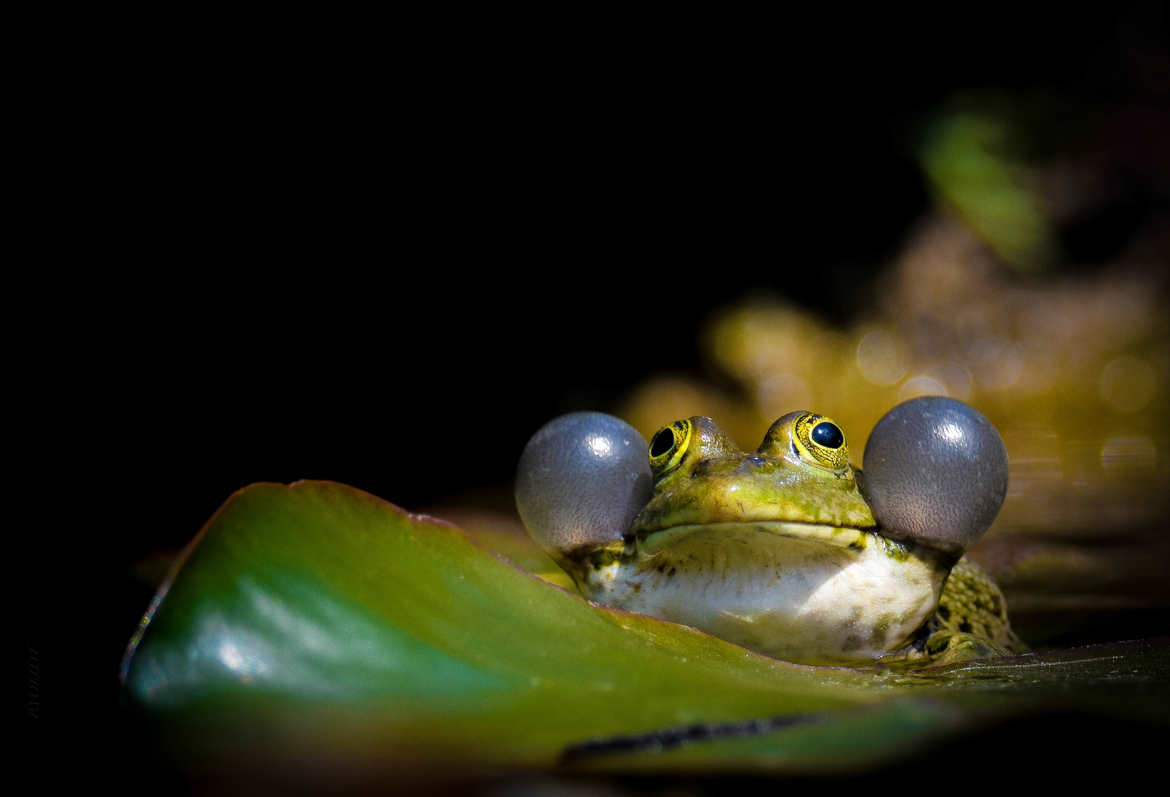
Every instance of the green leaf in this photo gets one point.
(317, 623)
(968, 158)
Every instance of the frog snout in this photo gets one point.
(750, 464)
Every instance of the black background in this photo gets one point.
(389, 265)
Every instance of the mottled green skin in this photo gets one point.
(716, 483)
(971, 620)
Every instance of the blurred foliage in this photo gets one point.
(973, 160)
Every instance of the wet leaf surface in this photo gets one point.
(321, 628)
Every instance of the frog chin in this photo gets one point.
(796, 591)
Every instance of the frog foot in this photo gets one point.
(950, 647)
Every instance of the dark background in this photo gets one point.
(387, 266)
(393, 283)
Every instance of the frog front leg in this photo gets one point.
(971, 620)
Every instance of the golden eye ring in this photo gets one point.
(820, 442)
(669, 445)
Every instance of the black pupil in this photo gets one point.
(662, 442)
(828, 435)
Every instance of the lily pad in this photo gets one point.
(318, 624)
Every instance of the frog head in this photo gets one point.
(800, 474)
(787, 549)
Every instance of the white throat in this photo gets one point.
(796, 591)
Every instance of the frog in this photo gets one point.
(788, 550)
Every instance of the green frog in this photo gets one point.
(787, 550)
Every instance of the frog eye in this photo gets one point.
(827, 435)
(820, 442)
(936, 472)
(581, 480)
(669, 445)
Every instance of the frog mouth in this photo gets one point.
(848, 537)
